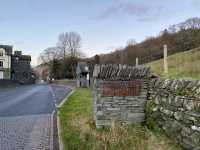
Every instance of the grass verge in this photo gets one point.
(79, 133)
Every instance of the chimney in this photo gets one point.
(18, 53)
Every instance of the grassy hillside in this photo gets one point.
(181, 65)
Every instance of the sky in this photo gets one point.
(34, 25)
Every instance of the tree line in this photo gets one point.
(62, 58)
(179, 37)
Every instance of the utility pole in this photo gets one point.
(165, 59)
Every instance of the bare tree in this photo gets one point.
(63, 44)
(131, 42)
(69, 43)
(62, 58)
(191, 23)
(49, 55)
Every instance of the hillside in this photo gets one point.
(178, 38)
(181, 65)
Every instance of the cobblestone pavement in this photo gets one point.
(32, 132)
(26, 121)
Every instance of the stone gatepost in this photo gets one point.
(120, 94)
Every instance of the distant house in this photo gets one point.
(15, 66)
(20, 68)
(5, 61)
(42, 72)
(82, 74)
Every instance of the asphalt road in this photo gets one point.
(26, 116)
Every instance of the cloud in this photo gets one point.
(143, 12)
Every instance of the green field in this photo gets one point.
(181, 65)
(79, 133)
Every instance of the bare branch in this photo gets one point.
(69, 43)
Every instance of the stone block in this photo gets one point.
(98, 107)
(172, 127)
(167, 112)
(112, 109)
(164, 99)
(193, 114)
(186, 131)
(107, 99)
(195, 138)
(157, 100)
(124, 115)
(99, 113)
(137, 110)
(188, 104)
(190, 118)
(187, 144)
(178, 101)
(136, 117)
(101, 123)
(178, 115)
(195, 128)
(170, 107)
(100, 117)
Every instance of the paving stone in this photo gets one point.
(32, 132)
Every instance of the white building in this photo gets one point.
(5, 61)
(82, 75)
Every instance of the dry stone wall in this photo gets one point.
(123, 109)
(174, 106)
(129, 95)
(119, 94)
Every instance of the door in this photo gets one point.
(1, 74)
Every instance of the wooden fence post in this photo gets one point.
(136, 62)
(165, 59)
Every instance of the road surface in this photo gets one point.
(26, 116)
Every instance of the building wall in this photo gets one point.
(83, 80)
(6, 64)
(21, 70)
(174, 107)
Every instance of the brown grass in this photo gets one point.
(181, 65)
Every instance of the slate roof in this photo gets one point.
(120, 72)
(7, 48)
(23, 57)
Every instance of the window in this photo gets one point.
(1, 63)
(1, 74)
(17, 59)
(1, 53)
